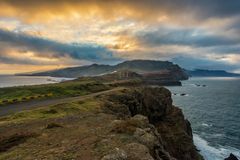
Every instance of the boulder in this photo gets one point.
(136, 151)
(116, 154)
(139, 121)
(146, 137)
(122, 126)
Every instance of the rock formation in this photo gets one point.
(159, 129)
(231, 157)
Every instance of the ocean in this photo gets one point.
(11, 81)
(212, 105)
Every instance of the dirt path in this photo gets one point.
(13, 108)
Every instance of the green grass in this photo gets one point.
(64, 89)
(55, 111)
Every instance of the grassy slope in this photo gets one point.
(64, 89)
(50, 112)
(78, 130)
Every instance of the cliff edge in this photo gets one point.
(158, 128)
(120, 124)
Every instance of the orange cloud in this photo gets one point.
(45, 10)
(21, 68)
(126, 28)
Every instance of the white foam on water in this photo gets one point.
(206, 125)
(212, 153)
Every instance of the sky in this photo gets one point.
(52, 34)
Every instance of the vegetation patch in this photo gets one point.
(53, 125)
(55, 111)
(65, 89)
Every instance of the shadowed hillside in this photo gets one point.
(138, 66)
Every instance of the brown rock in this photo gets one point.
(136, 151)
(116, 154)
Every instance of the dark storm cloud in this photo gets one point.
(226, 49)
(48, 48)
(191, 63)
(188, 37)
(212, 8)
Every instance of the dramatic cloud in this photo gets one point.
(134, 8)
(50, 49)
(51, 34)
(190, 37)
(204, 63)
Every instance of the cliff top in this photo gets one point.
(134, 123)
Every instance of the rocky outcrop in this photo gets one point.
(147, 115)
(231, 157)
(116, 154)
(134, 151)
(146, 143)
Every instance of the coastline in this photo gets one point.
(207, 151)
(200, 91)
(18, 81)
(160, 122)
(213, 153)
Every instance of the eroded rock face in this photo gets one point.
(231, 157)
(142, 132)
(154, 123)
(155, 103)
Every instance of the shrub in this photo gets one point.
(14, 100)
(5, 101)
(50, 111)
(53, 125)
(24, 99)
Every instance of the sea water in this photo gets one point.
(213, 107)
(10, 80)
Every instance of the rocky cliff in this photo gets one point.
(159, 129)
(118, 124)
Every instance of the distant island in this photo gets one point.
(211, 73)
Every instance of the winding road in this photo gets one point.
(14, 108)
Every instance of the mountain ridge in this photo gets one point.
(138, 66)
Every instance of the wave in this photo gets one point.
(212, 153)
(206, 125)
